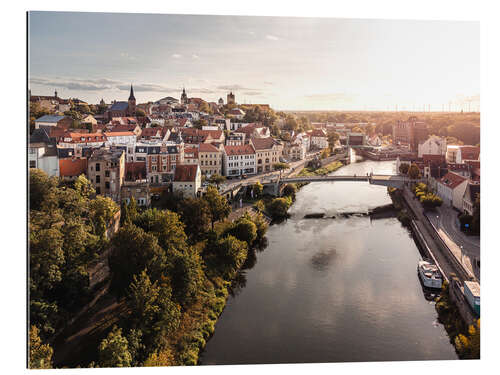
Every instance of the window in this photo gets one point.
(153, 168)
(106, 174)
(97, 167)
(107, 184)
(98, 179)
(98, 190)
(32, 163)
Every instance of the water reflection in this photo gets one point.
(331, 290)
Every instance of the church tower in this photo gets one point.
(184, 97)
(131, 102)
(231, 98)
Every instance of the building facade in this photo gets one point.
(106, 171)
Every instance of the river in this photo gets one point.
(332, 290)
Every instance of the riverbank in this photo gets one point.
(462, 337)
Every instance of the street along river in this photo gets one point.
(332, 289)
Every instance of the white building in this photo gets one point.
(42, 153)
(319, 138)
(451, 188)
(239, 160)
(187, 179)
(432, 146)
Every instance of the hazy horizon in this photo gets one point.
(295, 64)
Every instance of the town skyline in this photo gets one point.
(297, 63)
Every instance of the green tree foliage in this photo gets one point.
(278, 208)
(245, 230)
(261, 226)
(40, 355)
(186, 275)
(84, 187)
(140, 113)
(216, 179)
(404, 168)
(257, 188)
(113, 350)
(218, 206)
(290, 190)
(325, 153)
(195, 215)
(134, 250)
(199, 124)
(232, 253)
(413, 171)
(165, 225)
(102, 209)
(280, 166)
(154, 313)
(39, 187)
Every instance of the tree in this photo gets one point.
(413, 171)
(134, 250)
(187, 276)
(113, 350)
(102, 209)
(153, 311)
(84, 187)
(216, 179)
(140, 113)
(403, 168)
(280, 167)
(245, 230)
(232, 253)
(257, 189)
(290, 190)
(218, 206)
(40, 185)
(278, 208)
(261, 226)
(40, 355)
(325, 153)
(195, 215)
(165, 225)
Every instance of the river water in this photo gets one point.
(332, 290)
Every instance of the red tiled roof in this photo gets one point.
(433, 158)
(185, 172)
(191, 150)
(263, 143)
(469, 152)
(452, 180)
(88, 137)
(317, 133)
(135, 170)
(208, 147)
(118, 134)
(72, 167)
(239, 150)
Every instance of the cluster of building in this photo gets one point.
(453, 171)
(125, 155)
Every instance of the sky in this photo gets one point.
(289, 63)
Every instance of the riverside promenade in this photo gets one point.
(447, 254)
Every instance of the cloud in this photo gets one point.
(272, 37)
(252, 93)
(75, 83)
(195, 56)
(333, 97)
(176, 56)
(234, 87)
(251, 32)
(268, 83)
(151, 87)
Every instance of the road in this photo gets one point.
(444, 219)
(294, 166)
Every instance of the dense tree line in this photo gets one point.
(66, 236)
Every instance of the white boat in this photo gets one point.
(429, 274)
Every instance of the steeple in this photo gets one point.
(55, 94)
(131, 97)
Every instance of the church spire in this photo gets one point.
(131, 97)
